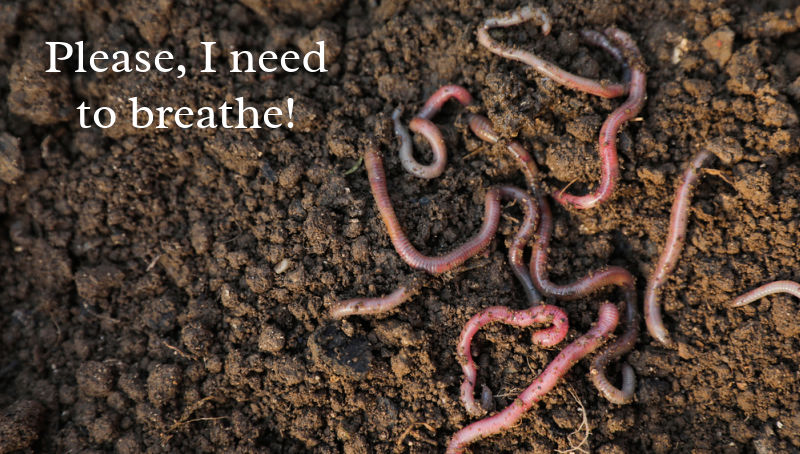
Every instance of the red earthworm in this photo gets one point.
(790, 287)
(546, 337)
(482, 127)
(441, 96)
(609, 162)
(679, 217)
(612, 275)
(547, 69)
(606, 322)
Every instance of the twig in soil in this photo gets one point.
(790, 287)
(179, 351)
(612, 275)
(546, 337)
(606, 322)
(579, 446)
(184, 419)
(410, 430)
(679, 217)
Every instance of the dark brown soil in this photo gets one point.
(168, 291)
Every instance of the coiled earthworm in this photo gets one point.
(546, 337)
(596, 280)
(482, 127)
(790, 287)
(422, 124)
(679, 217)
(547, 69)
(609, 162)
(606, 322)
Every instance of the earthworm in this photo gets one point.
(372, 306)
(612, 275)
(482, 127)
(441, 96)
(547, 69)
(790, 287)
(520, 240)
(679, 217)
(440, 264)
(546, 337)
(608, 317)
(609, 162)
(422, 124)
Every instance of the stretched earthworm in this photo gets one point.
(790, 287)
(606, 322)
(372, 306)
(609, 162)
(422, 124)
(594, 281)
(679, 217)
(546, 337)
(547, 69)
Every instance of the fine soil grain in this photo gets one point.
(168, 290)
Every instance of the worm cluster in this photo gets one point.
(552, 321)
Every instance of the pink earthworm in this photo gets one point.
(790, 287)
(441, 96)
(609, 162)
(520, 240)
(547, 69)
(679, 217)
(546, 337)
(482, 127)
(422, 124)
(372, 306)
(612, 275)
(606, 322)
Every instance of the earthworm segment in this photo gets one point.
(606, 322)
(546, 337)
(676, 236)
(790, 287)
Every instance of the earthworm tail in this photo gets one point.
(596, 280)
(546, 337)
(609, 162)
(547, 69)
(441, 96)
(790, 287)
(607, 320)
(679, 217)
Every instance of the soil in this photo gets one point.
(167, 291)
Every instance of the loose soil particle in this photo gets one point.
(141, 309)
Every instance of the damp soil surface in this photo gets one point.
(168, 290)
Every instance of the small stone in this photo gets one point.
(11, 165)
(271, 339)
(719, 45)
(94, 379)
